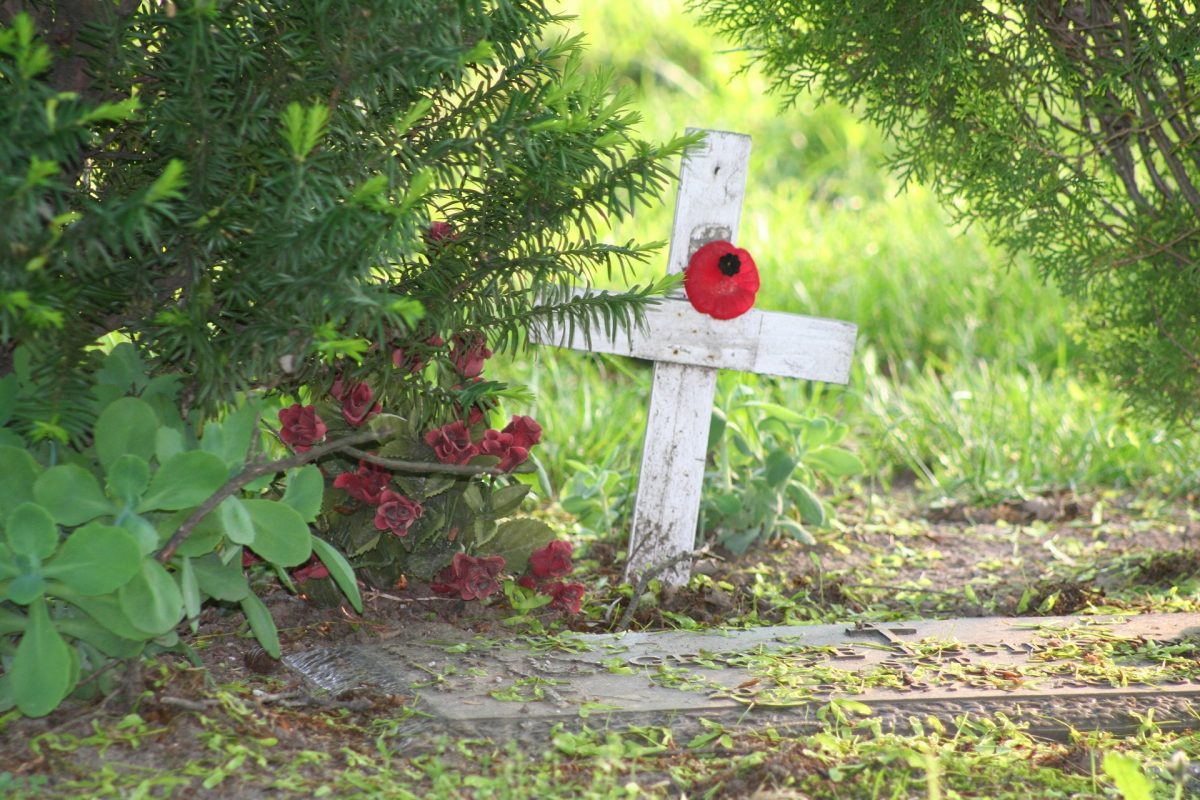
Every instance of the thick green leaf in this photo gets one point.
(834, 461)
(123, 368)
(187, 479)
(778, 467)
(281, 535)
(339, 569)
(168, 443)
(99, 637)
(31, 531)
(11, 621)
(305, 488)
(151, 600)
(204, 538)
(96, 559)
(261, 623)
(71, 494)
(716, 428)
(41, 669)
(142, 531)
(220, 581)
(516, 539)
(128, 478)
(812, 512)
(18, 472)
(235, 521)
(507, 499)
(230, 438)
(189, 588)
(8, 397)
(127, 426)
(24, 589)
(105, 610)
(1128, 776)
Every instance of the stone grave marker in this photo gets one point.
(1051, 674)
(688, 348)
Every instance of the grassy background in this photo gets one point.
(966, 378)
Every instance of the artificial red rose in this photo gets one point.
(721, 280)
(358, 404)
(452, 443)
(528, 581)
(567, 596)
(396, 513)
(470, 577)
(495, 443)
(313, 569)
(415, 362)
(553, 560)
(301, 427)
(440, 231)
(249, 559)
(367, 484)
(524, 430)
(468, 351)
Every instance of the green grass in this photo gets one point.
(966, 375)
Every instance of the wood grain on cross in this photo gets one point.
(689, 347)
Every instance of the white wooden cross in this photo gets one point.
(689, 347)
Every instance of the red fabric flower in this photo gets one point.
(567, 596)
(721, 280)
(468, 351)
(440, 231)
(301, 427)
(452, 443)
(469, 577)
(495, 443)
(415, 362)
(524, 430)
(313, 569)
(396, 513)
(528, 581)
(357, 401)
(553, 560)
(367, 484)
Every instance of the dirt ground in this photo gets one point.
(1058, 554)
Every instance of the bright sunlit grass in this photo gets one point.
(965, 374)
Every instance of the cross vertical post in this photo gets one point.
(708, 207)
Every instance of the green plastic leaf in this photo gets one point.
(339, 569)
(220, 581)
(96, 559)
(41, 669)
(18, 472)
(235, 520)
(31, 531)
(187, 479)
(834, 461)
(812, 512)
(516, 539)
(151, 600)
(261, 623)
(305, 488)
(24, 589)
(71, 494)
(507, 499)
(127, 426)
(128, 478)
(281, 535)
(778, 467)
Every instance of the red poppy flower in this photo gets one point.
(721, 280)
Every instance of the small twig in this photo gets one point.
(253, 472)
(398, 465)
(649, 574)
(199, 706)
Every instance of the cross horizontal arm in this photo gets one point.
(763, 342)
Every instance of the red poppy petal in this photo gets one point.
(721, 280)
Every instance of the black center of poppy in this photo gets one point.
(729, 264)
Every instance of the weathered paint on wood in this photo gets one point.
(763, 342)
(688, 348)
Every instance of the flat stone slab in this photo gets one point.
(1051, 674)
